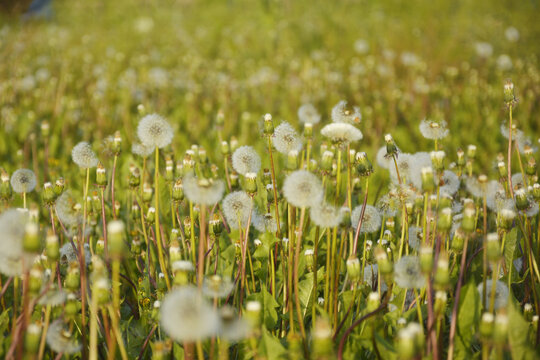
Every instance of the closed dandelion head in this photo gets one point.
(84, 156)
(203, 191)
(408, 274)
(154, 131)
(326, 215)
(286, 139)
(434, 130)
(23, 181)
(246, 160)
(302, 189)
(342, 133)
(501, 294)
(236, 207)
(308, 114)
(187, 317)
(215, 286)
(342, 113)
(61, 340)
(371, 221)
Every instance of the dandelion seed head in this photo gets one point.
(216, 286)
(342, 133)
(501, 294)
(246, 160)
(141, 150)
(434, 130)
(264, 223)
(203, 191)
(84, 156)
(511, 34)
(302, 189)
(382, 159)
(61, 340)
(286, 139)
(232, 328)
(371, 221)
(450, 182)
(53, 297)
(68, 253)
(23, 181)
(417, 162)
(154, 131)
(326, 215)
(341, 113)
(415, 234)
(308, 114)
(408, 274)
(12, 227)
(236, 207)
(187, 317)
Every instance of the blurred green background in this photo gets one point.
(87, 68)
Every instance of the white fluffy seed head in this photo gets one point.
(236, 208)
(433, 130)
(326, 215)
(286, 138)
(23, 181)
(84, 156)
(154, 131)
(341, 133)
(61, 340)
(246, 160)
(341, 113)
(308, 114)
(203, 191)
(408, 274)
(371, 221)
(501, 293)
(302, 189)
(187, 317)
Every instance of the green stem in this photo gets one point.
(158, 227)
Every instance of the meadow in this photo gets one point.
(270, 180)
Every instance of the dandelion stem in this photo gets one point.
(158, 228)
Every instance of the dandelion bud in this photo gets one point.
(442, 273)
(391, 147)
(440, 302)
(285, 244)
(308, 130)
(486, 325)
(151, 215)
(268, 125)
(327, 161)
(215, 225)
(5, 187)
(101, 290)
(353, 268)
(322, 339)
(73, 278)
(251, 183)
(187, 226)
(373, 301)
(468, 223)
(32, 338)
(35, 279)
(169, 170)
(313, 165)
(48, 194)
(101, 176)
(437, 159)
(493, 247)
(233, 178)
(253, 313)
(59, 186)
(31, 242)
(460, 158)
(384, 265)
(267, 177)
(72, 306)
(116, 238)
(270, 193)
(408, 341)
(458, 240)
(181, 270)
(292, 160)
(444, 222)
(509, 96)
(147, 193)
(531, 167)
(471, 151)
(536, 191)
(428, 182)
(52, 247)
(309, 259)
(363, 165)
(135, 211)
(45, 128)
(501, 168)
(528, 311)
(500, 330)
(178, 191)
(522, 202)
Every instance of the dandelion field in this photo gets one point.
(270, 180)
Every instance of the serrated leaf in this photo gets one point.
(518, 329)
(305, 289)
(510, 247)
(271, 346)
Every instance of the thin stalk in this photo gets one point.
(274, 186)
(202, 244)
(298, 244)
(158, 227)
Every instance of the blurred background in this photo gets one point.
(85, 66)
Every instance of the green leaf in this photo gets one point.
(468, 318)
(518, 328)
(269, 305)
(510, 247)
(305, 289)
(271, 346)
